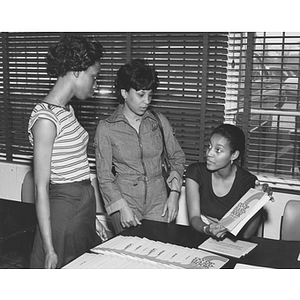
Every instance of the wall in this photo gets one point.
(11, 177)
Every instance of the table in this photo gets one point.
(268, 253)
(15, 217)
(17, 229)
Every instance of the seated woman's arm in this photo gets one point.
(194, 211)
(193, 204)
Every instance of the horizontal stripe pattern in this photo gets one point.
(69, 156)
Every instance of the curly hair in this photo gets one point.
(72, 53)
(137, 75)
(234, 135)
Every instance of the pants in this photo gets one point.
(72, 213)
(145, 198)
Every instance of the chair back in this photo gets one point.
(99, 201)
(290, 225)
(27, 189)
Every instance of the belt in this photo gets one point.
(136, 178)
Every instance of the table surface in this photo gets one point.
(268, 253)
(15, 217)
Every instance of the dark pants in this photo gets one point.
(72, 213)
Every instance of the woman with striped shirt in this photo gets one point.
(65, 199)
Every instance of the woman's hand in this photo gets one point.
(265, 188)
(217, 230)
(101, 231)
(171, 206)
(128, 218)
(51, 260)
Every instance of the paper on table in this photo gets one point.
(243, 210)
(228, 247)
(203, 260)
(244, 266)
(170, 255)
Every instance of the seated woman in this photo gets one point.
(213, 187)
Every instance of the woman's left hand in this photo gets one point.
(171, 207)
(101, 231)
(265, 188)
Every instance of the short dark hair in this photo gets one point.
(234, 135)
(136, 74)
(72, 53)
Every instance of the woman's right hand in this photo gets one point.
(128, 218)
(217, 230)
(51, 261)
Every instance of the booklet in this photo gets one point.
(235, 219)
(229, 247)
(166, 254)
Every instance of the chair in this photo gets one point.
(99, 200)
(182, 218)
(290, 224)
(27, 189)
(101, 214)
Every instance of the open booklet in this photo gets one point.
(235, 219)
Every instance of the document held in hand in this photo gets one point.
(235, 219)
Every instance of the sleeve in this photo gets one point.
(110, 192)
(192, 172)
(37, 113)
(175, 153)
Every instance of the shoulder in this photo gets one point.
(195, 165)
(196, 168)
(244, 172)
(103, 127)
(157, 115)
(245, 177)
(42, 111)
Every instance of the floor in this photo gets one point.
(15, 252)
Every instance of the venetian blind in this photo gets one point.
(2, 108)
(263, 99)
(191, 69)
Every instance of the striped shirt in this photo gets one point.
(69, 161)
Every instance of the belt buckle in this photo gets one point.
(143, 178)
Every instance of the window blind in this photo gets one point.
(2, 107)
(191, 67)
(263, 98)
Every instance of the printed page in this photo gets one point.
(228, 247)
(243, 210)
(161, 254)
(203, 260)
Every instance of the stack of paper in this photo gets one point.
(163, 253)
(228, 247)
(112, 260)
(235, 219)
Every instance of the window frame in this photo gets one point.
(259, 67)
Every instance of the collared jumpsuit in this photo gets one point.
(129, 167)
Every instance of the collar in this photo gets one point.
(118, 115)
